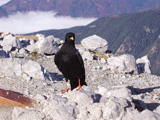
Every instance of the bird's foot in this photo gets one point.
(79, 87)
(66, 90)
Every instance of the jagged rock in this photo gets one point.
(26, 114)
(120, 93)
(31, 48)
(44, 45)
(6, 112)
(83, 114)
(32, 41)
(147, 115)
(95, 110)
(81, 98)
(20, 53)
(64, 113)
(26, 77)
(19, 66)
(4, 34)
(40, 36)
(143, 65)
(81, 50)
(11, 67)
(103, 61)
(102, 90)
(95, 43)
(34, 70)
(113, 110)
(87, 56)
(123, 64)
(10, 42)
(47, 46)
(61, 100)
(59, 41)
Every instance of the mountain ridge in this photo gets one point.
(76, 8)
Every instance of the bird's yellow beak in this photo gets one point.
(71, 38)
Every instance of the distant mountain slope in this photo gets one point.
(80, 8)
(135, 33)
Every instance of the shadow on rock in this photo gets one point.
(152, 106)
(135, 91)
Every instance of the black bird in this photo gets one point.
(70, 63)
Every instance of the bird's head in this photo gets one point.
(70, 38)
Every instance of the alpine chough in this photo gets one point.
(70, 63)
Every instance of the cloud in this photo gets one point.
(2, 2)
(21, 23)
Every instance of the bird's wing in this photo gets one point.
(56, 59)
(80, 59)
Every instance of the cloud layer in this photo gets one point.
(21, 23)
(2, 2)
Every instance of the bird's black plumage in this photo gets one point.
(70, 63)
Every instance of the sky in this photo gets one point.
(3, 2)
(22, 23)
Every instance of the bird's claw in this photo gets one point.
(66, 90)
(79, 87)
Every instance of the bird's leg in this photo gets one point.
(66, 90)
(79, 87)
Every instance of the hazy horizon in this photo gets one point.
(22, 23)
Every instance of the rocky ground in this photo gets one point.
(108, 96)
(116, 90)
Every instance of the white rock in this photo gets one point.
(4, 34)
(31, 48)
(95, 110)
(44, 46)
(143, 65)
(64, 113)
(62, 41)
(120, 93)
(26, 77)
(146, 114)
(80, 98)
(11, 67)
(9, 42)
(40, 36)
(83, 114)
(26, 114)
(33, 69)
(32, 41)
(60, 100)
(19, 67)
(87, 56)
(39, 97)
(48, 46)
(95, 43)
(113, 110)
(81, 50)
(58, 41)
(123, 64)
(102, 90)
(22, 53)
(103, 60)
